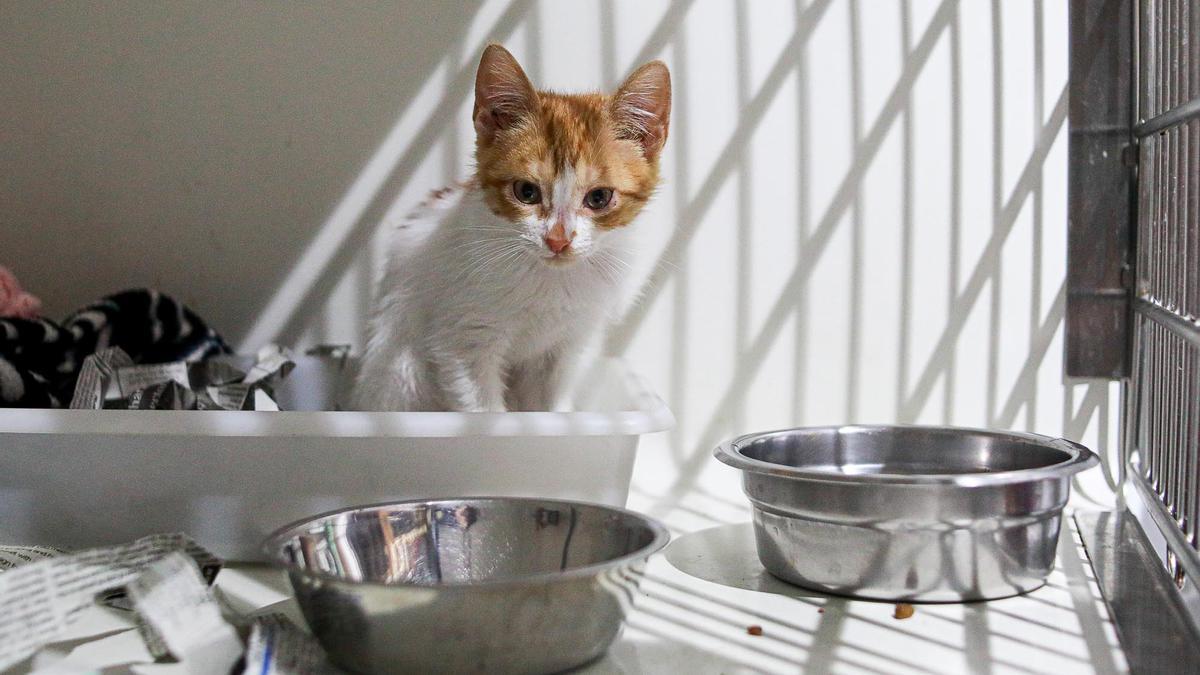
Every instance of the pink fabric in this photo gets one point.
(14, 301)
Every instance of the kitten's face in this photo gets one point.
(567, 170)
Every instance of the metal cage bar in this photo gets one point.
(1164, 452)
(1160, 335)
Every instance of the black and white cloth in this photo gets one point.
(40, 360)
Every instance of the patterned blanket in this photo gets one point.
(40, 360)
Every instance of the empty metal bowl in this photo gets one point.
(496, 585)
(919, 514)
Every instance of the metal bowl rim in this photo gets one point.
(662, 537)
(1079, 459)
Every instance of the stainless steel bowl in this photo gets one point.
(925, 514)
(496, 585)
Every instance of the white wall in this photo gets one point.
(863, 217)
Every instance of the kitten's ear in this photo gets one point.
(642, 107)
(503, 95)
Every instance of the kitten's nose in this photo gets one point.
(557, 238)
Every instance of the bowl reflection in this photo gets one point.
(498, 585)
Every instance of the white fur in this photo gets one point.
(475, 314)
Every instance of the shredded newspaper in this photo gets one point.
(109, 379)
(179, 618)
(165, 581)
(41, 598)
(15, 556)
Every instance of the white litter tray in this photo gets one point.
(77, 478)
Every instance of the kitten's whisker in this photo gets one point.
(499, 230)
(481, 269)
(485, 254)
(661, 261)
(477, 249)
(509, 264)
(616, 264)
(603, 266)
(488, 241)
(500, 258)
(619, 261)
(613, 251)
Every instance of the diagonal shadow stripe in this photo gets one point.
(345, 232)
(987, 266)
(1093, 399)
(815, 245)
(621, 334)
(1075, 424)
(845, 607)
(1025, 387)
(668, 25)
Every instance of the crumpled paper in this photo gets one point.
(164, 580)
(109, 379)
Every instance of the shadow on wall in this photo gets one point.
(188, 146)
(349, 230)
(973, 285)
(199, 80)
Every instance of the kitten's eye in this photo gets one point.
(598, 198)
(526, 192)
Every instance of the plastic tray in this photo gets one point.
(77, 478)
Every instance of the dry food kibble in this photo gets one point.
(754, 630)
(903, 610)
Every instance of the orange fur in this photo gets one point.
(537, 135)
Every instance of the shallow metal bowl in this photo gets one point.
(925, 514)
(496, 585)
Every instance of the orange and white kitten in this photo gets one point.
(493, 286)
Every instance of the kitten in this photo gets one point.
(493, 286)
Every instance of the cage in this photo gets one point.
(1133, 309)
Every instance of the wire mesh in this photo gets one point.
(1166, 377)
(1168, 389)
